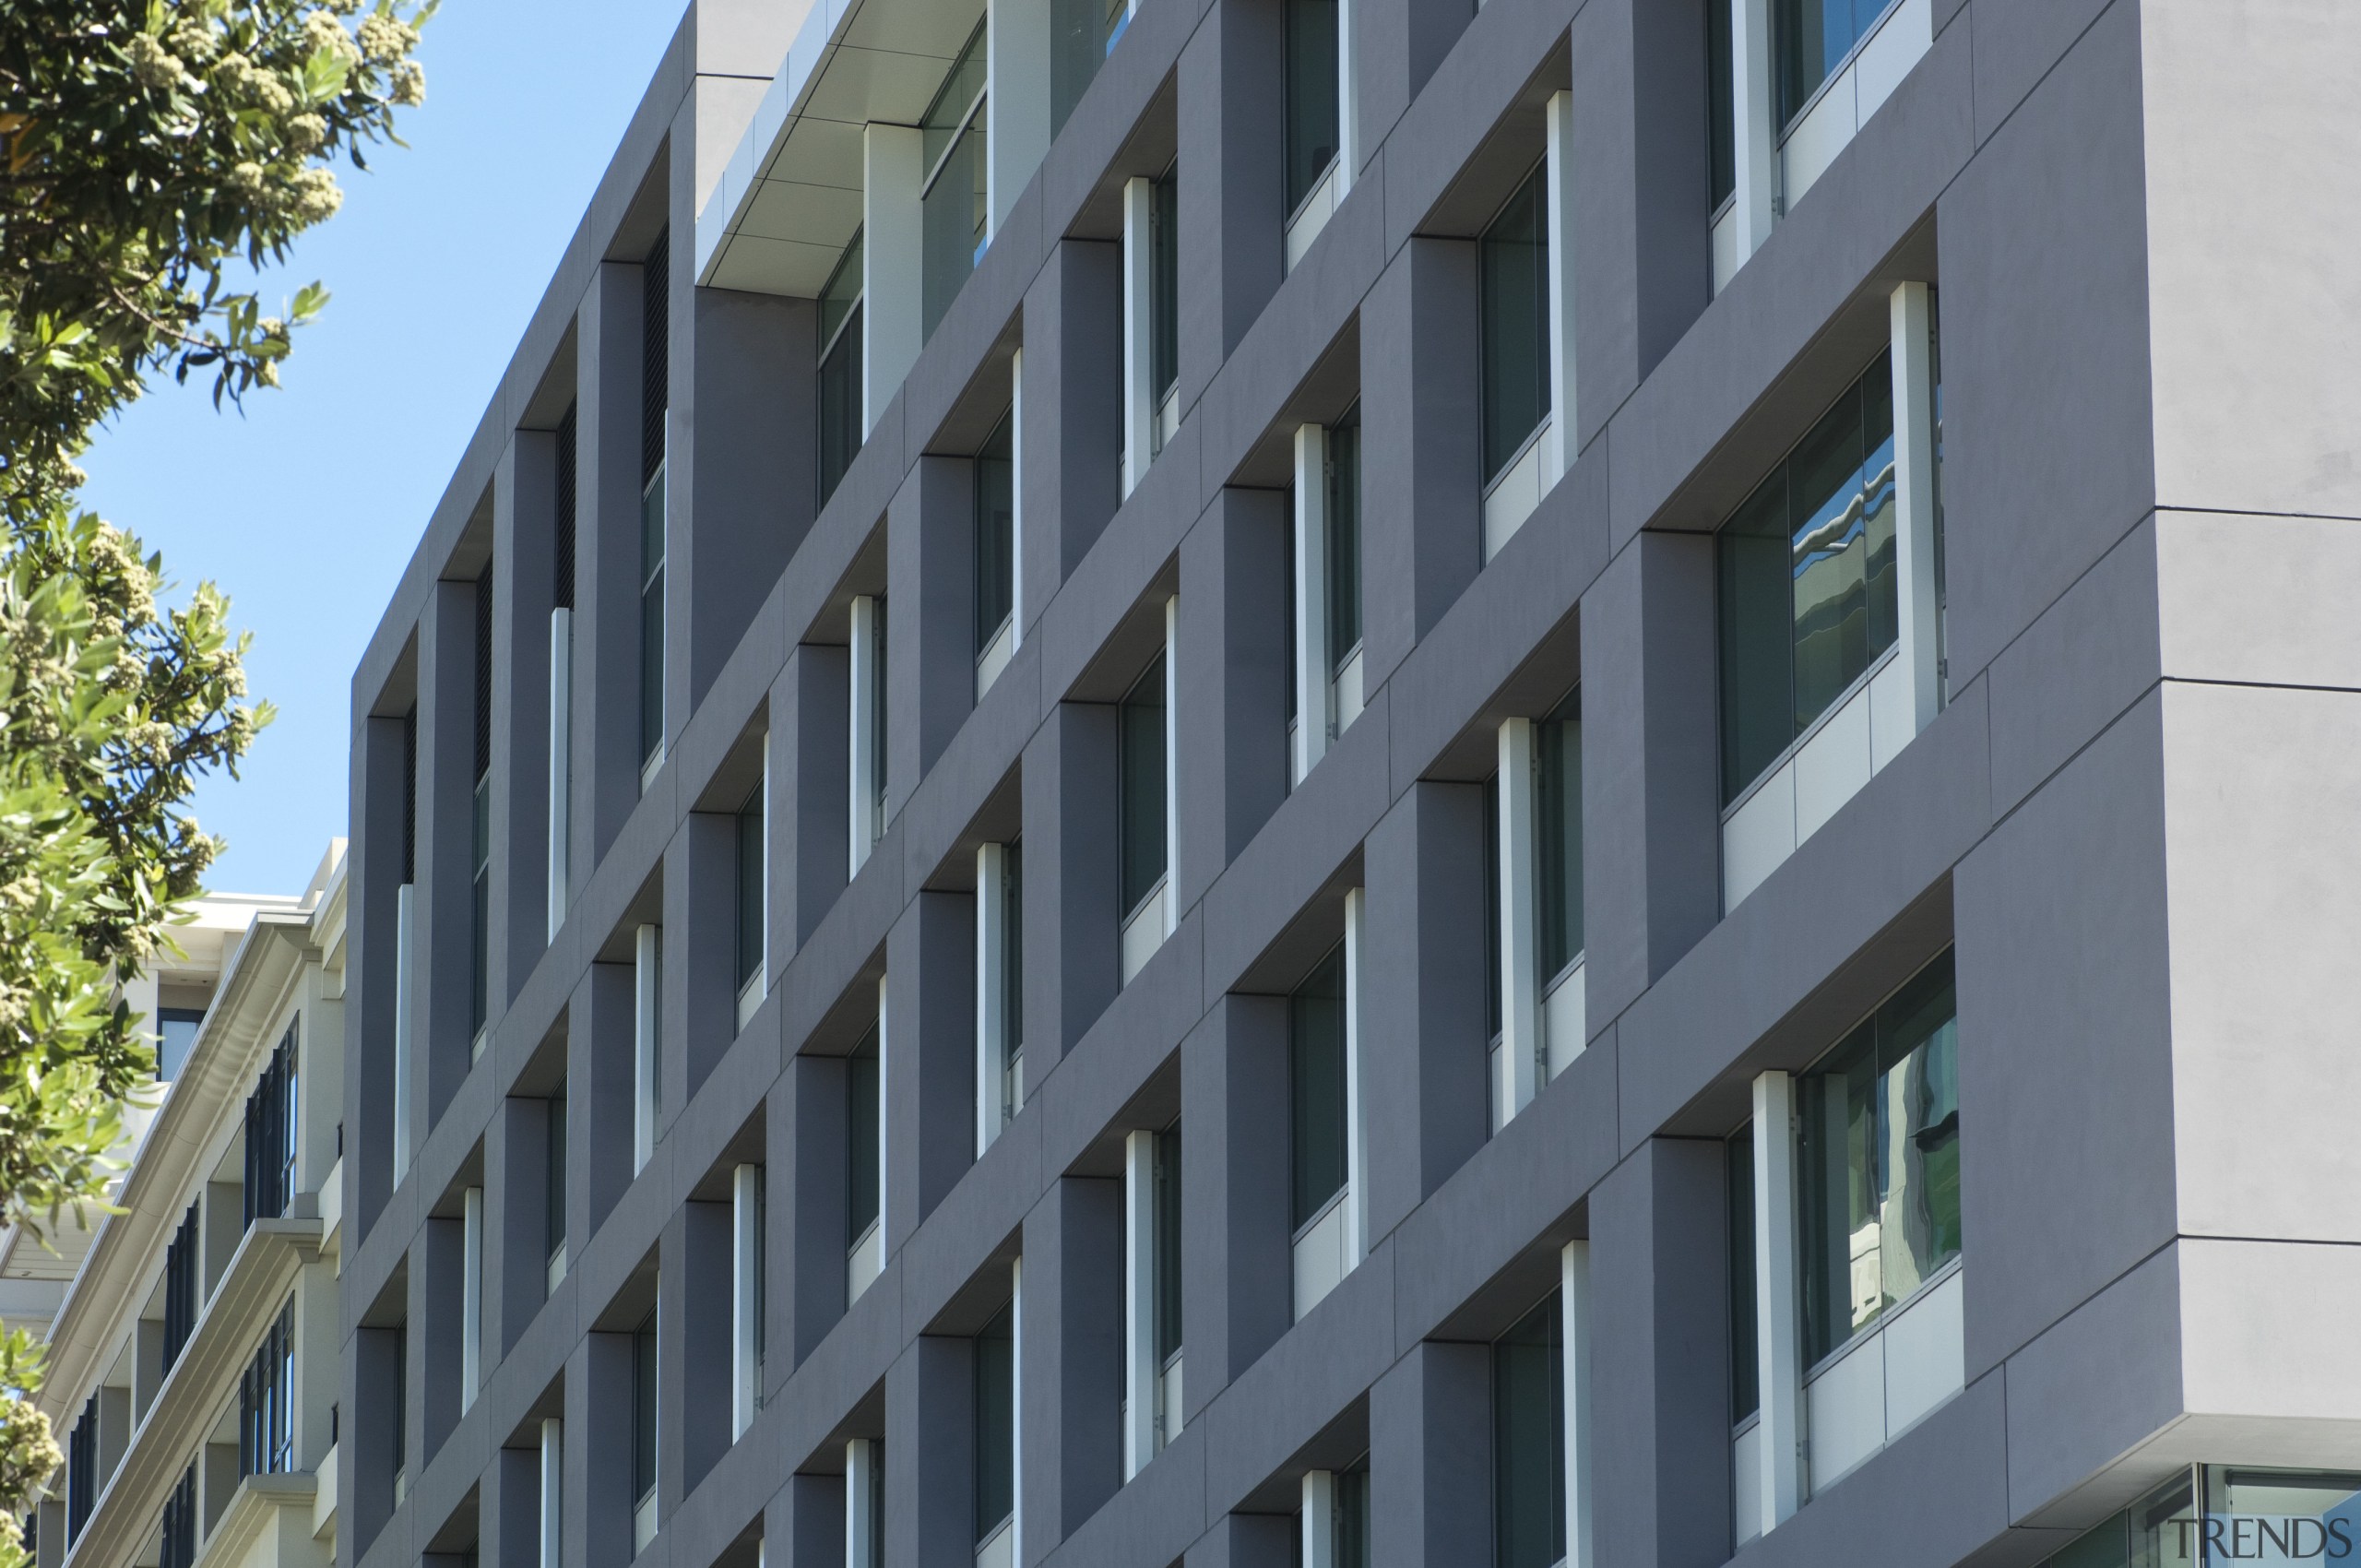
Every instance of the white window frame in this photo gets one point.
(1152, 1394)
(746, 1255)
(404, 961)
(561, 845)
(862, 1548)
(470, 1297)
(997, 1100)
(757, 986)
(552, 1499)
(646, 1043)
(863, 809)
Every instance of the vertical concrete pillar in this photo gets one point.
(607, 562)
(930, 556)
(1396, 46)
(443, 954)
(1237, 1262)
(1638, 246)
(1230, 671)
(814, 1198)
(1072, 1333)
(1071, 421)
(1232, 251)
(929, 1078)
(1070, 856)
(931, 1480)
(1421, 517)
(809, 714)
(524, 532)
(1651, 790)
(1422, 1036)
(893, 164)
(1430, 1456)
(1660, 1296)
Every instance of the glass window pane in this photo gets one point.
(953, 219)
(995, 532)
(1164, 284)
(1344, 538)
(1720, 113)
(1316, 1087)
(1140, 746)
(1744, 1396)
(1168, 1245)
(749, 886)
(177, 1025)
(1919, 1122)
(1758, 718)
(1310, 95)
(1012, 947)
(842, 291)
(1877, 503)
(1528, 1439)
(651, 617)
(995, 1422)
(1352, 1514)
(1078, 48)
(1828, 555)
(1811, 36)
(1512, 263)
(962, 84)
(860, 1136)
(1557, 803)
(1843, 1280)
(840, 414)
(643, 1409)
(553, 1189)
(1490, 852)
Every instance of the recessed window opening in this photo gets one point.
(1513, 295)
(841, 420)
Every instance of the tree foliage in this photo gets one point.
(156, 156)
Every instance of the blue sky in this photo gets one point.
(306, 509)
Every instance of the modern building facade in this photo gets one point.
(1380, 782)
(192, 1377)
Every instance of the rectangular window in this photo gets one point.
(1513, 298)
(1343, 538)
(841, 426)
(860, 1140)
(270, 1135)
(1493, 1023)
(1311, 119)
(181, 1289)
(1721, 106)
(1745, 1380)
(1807, 582)
(996, 1423)
(1350, 1528)
(1316, 1088)
(1140, 763)
(749, 835)
(1528, 1440)
(176, 1029)
(1082, 33)
(553, 1194)
(81, 1470)
(995, 482)
(1168, 1251)
(265, 1402)
(1812, 38)
(1012, 983)
(1164, 291)
(955, 211)
(480, 995)
(400, 1415)
(644, 1390)
(651, 621)
(178, 1546)
(1878, 1162)
(1558, 837)
(654, 402)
